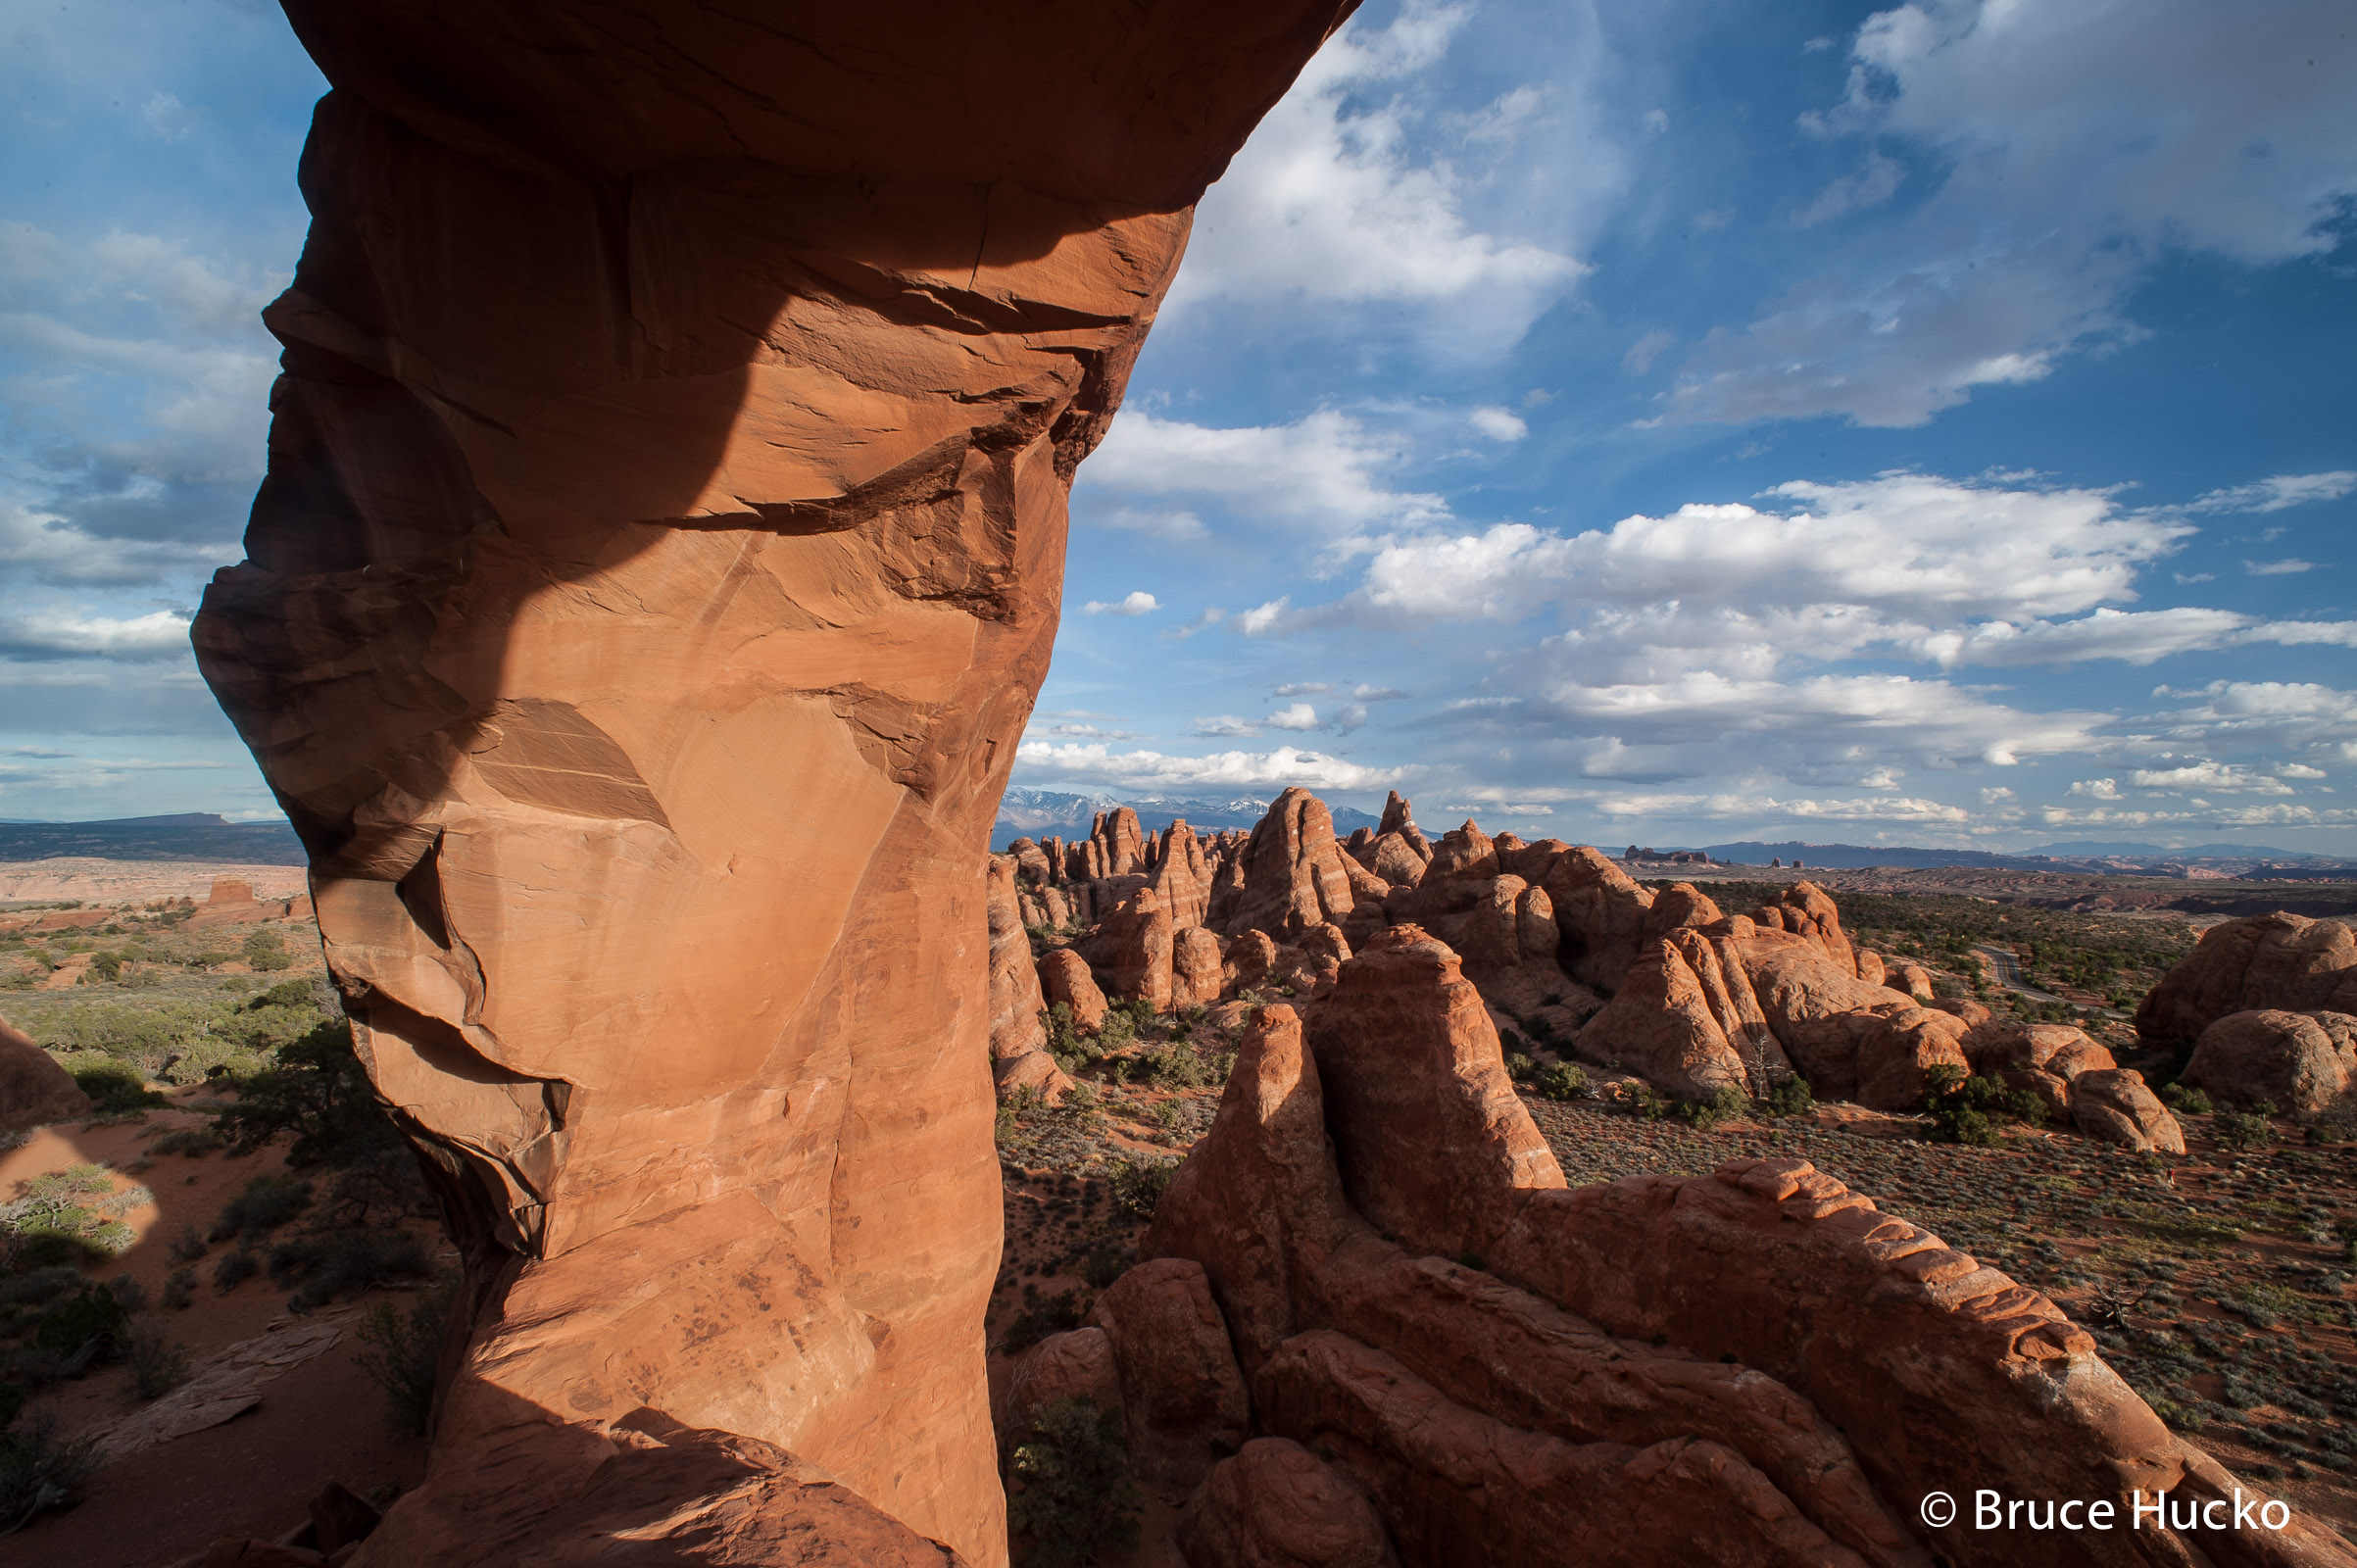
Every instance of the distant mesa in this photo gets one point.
(184, 836)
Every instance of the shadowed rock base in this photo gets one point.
(660, 555)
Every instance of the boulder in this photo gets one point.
(1678, 907)
(1075, 1365)
(2280, 961)
(2059, 1048)
(1016, 1000)
(1033, 1073)
(1131, 951)
(1181, 1390)
(1687, 1021)
(2113, 1104)
(1600, 913)
(1257, 1198)
(1509, 944)
(1911, 978)
(34, 1088)
(2300, 1062)
(1414, 1081)
(1851, 1040)
(1871, 969)
(1395, 860)
(1804, 910)
(1064, 977)
(1294, 873)
(1464, 852)
(1031, 863)
(1972, 1012)
(1276, 1506)
(1197, 969)
(2052, 1090)
(1249, 960)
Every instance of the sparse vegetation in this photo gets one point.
(403, 1354)
(1071, 1499)
(39, 1470)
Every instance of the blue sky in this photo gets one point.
(1670, 421)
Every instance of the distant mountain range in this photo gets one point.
(2089, 856)
(1027, 813)
(187, 836)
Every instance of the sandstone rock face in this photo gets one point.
(1197, 969)
(1414, 1082)
(2295, 1061)
(1804, 910)
(34, 1088)
(1851, 1040)
(1687, 1020)
(1075, 1365)
(1064, 977)
(1182, 877)
(2112, 1103)
(1600, 912)
(1182, 1393)
(643, 1491)
(1015, 1002)
(660, 550)
(1131, 949)
(1293, 871)
(1276, 1506)
(2282, 961)
(1752, 1367)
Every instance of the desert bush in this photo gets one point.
(158, 1363)
(1791, 1098)
(1138, 1184)
(1561, 1080)
(2188, 1101)
(1959, 1105)
(114, 1084)
(194, 1141)
(318, 1091)
(2240, 1129)
(404, 1352)
(349, 1262)
(232, 1269)
(187, 1245)
(1724, 1103)
(1072, 1498)
(267, 1203)
(1043, 1315)
(266, 950)
(1107, 1263)
(40, 1470)
(180, 1289)
(1520, 1068)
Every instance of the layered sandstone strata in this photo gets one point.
(659, 554)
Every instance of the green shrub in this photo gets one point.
(1072, 1499)
(2188, 1101)
(1724, 1103)
(180, 1289)
(318, 1091)
(1139, 1184)
(113, 1084)
(91, 1320)
(266, 950)
(158, 1365)
(40, 1470)
(1791, 1098)
(404, 1353)
(1561, 1080)
(267, 1203)
(348, 1262)
(1520, 1068)
(2240, 1129)
(194, 1141)
(1043, 1315)
(232, 1269)
(1959, 1104)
